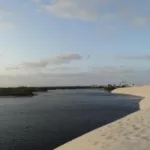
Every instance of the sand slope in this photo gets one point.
(143, 91)
(129, 133)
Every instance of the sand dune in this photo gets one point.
(143, 91)
(129, 133)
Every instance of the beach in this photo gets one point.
(129, 133)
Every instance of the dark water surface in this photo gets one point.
(46, 121)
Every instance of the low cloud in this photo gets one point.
(140, 57)
(65, 69)
(77, 9)
(94, 75)
(37, 1)
(126, 13)
(13, 68)
(4, 11)
(41, 64)
(61, 59)
(6, 25)
(5, 21)
(141, 21)
(113, 71)
(63, 79)
(65, 58)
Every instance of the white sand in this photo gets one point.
(129, 133)
(143, 91)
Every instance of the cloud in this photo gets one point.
(61, 59)
(113, 71)
(98, 75)
(141, 21)
(37, 1)
(141, 57)
(12, 68)
(64, 69)
(40, 64)
(4, 11)
(126, 14)
(105, 75)
(65, 58)
(77, 9)
(6, 25)
(5, 22)
(94, 75)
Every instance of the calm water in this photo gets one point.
(51, 119)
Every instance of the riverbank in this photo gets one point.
(21, 91)
(142, 91)
(129, 133)
(30, 91)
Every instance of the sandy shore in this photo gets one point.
(129, 133)
(142, 91)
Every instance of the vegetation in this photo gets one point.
(20, 91)
(31, 91)
(15, 92)
(110, 88)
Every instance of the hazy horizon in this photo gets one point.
(74, 42)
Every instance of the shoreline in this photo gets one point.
(130, 132)
(141, 91)
(30, 91)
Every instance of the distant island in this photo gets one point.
(21, 91)
(31, 91)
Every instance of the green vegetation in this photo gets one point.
(15, 92)
(31, 91)
(110, 88)
(20, 91)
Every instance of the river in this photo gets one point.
(50, 119)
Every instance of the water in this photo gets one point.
(46, 121)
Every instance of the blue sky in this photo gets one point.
(70, 42)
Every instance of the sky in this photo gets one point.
(74, 42)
